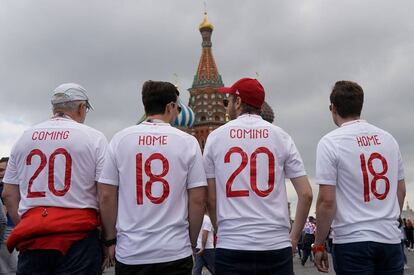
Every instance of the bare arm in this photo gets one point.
(108, 207)
(211, 202)
(325, 211)
(196, 208)
(304, 192)
(401, 193)
(11, 197)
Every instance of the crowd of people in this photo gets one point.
(151, 202)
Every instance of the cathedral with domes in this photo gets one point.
(205, 110)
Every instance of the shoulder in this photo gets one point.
(125, 132)
(93, 133)
(182, 135)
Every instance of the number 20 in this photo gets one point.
(51, 172)
(253, 172)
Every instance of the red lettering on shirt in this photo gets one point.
(150, 140)
(248, 133)
(50, 135)
(364, 141)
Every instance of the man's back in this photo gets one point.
(56, 163)
(249, 159)
(365, 164)
(154, 164)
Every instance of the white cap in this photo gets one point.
(70, 92)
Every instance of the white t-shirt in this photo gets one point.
(207, 226)
(56, 163)
(249, 159)
(365, 164)
(153, 164)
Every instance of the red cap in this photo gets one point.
(248, 89)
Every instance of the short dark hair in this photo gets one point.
(4, 159)
(348, 98)
(247, 108)
(156, 95)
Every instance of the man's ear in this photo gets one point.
(238, 101)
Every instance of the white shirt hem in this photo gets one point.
(154, 261)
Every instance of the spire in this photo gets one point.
(207, 74)
(206, 24)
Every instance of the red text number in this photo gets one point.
(152, 178)
(51, 171)
(253, 172)
(376, 176)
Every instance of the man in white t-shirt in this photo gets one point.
(205, 248)
(361, 190)
(153, 188)
(50, 190)
(246, 162)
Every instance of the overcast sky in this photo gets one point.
(298, 48)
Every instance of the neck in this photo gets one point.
(159, 117)
(68, 115)
(342, 120)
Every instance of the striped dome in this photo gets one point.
(185, 118)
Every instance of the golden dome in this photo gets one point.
(206, 23)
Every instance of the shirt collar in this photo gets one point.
(353, 122)
(155, 121)
(249, 115)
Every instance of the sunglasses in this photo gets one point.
(225, 102)
(178, 107)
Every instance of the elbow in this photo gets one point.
(309, 197)
(211, 202)
(198, 198)
(7, 196)
(106, 197)
(402, 194)
(306, 197)
(326, 203)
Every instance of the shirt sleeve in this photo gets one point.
(400, 166)
(208, 160)
(196, 175)
(293, 164)
(326, 163)
(207, 224)
(100, 156)
(110, 173)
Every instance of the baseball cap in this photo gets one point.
(248, 89)
(70, 92)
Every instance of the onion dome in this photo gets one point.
(186, 117)
(267, 113)
(206, 24)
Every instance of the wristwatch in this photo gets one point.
(318, 248)
(108, 243)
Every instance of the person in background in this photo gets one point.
(8, 261)
(205, 248)
(308, 239)
(402, 236)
